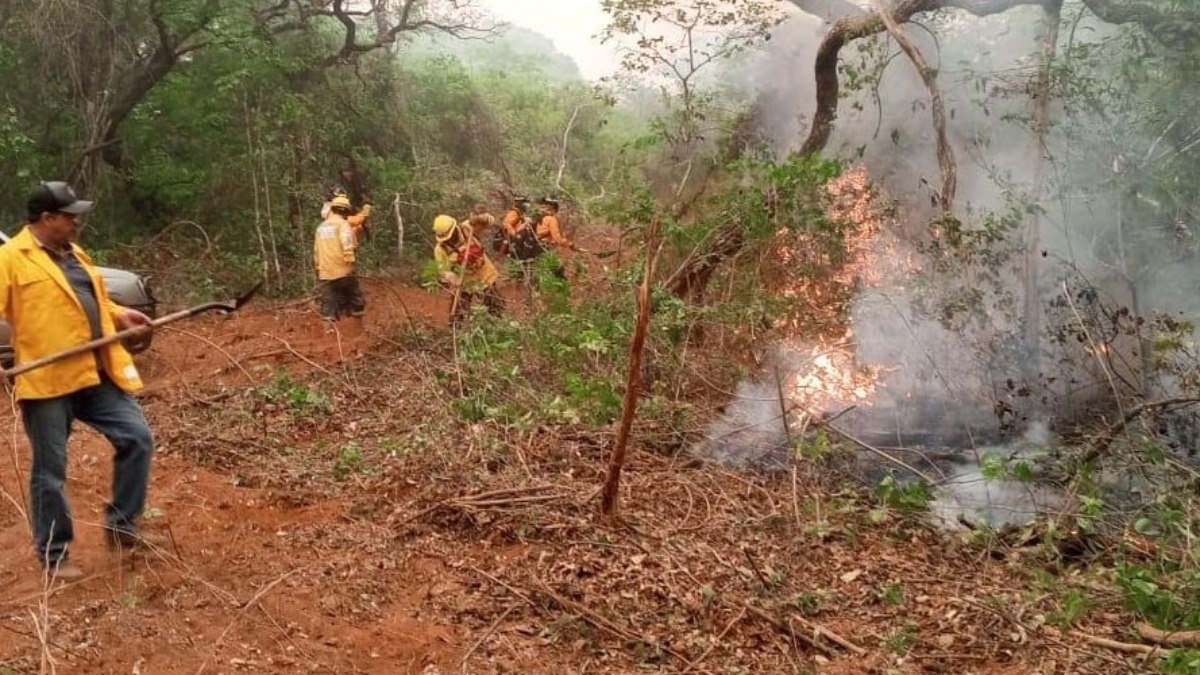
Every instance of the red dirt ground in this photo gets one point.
(481, 555)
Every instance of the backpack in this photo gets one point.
(525, 244)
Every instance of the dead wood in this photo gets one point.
(1124, 647)
(1170, 638)
(690, 279)
(633, 381)
(1105, 439)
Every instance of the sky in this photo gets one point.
(572, 24)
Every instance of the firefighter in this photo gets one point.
(482, 221)
(514, 220)
(464, 267)
(357, 217)
(334, 245)
(549, 232)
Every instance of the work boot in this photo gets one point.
(63, 570)
(125, 541)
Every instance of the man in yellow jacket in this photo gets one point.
(464, 267)
(334, 246)
(54, 299)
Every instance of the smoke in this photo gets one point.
(951, 339)
(945, 369)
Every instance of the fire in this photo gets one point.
(829, 379)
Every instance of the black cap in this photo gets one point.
(55, 196)
(549, 201)
(520, 199)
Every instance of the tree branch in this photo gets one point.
(1168, 27)
(945, 154)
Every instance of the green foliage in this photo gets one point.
(906, 497)
(576, 351)
(349, 462)
(1182, 662)
(1073, 606)
(1172, 607)
(295, 397)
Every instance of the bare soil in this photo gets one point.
(368, 530)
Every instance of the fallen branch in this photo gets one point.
(1105, 439)
(876, 451)
(1124, 647)
(495, 624)
(1170, 638)
(787, 629)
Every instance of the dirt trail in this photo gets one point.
(232, 590)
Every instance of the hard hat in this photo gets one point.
(341, 201)
(443, 227)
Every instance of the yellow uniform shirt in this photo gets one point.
(47, 318)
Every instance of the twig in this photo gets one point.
(41, 621)
(300, 356)
(1106, 437)
(244, 608)
(215, 346)
(754, 567)
(507, 587)
(720, 636)
(506, 502)
(876, 451)
(505, 492)
(818, 629)
(598, 621)
(787, 630)
(1125, 647)
(495, 624)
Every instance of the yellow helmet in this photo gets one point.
(341, 201)
(443, 227)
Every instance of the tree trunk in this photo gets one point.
(1033, 234)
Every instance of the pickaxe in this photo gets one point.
(230, 306)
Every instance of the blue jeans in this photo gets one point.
(119, 418)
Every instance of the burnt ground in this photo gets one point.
(324, 511)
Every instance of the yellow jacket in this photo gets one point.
(448, 259)
(335, 242)
(47, 318)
